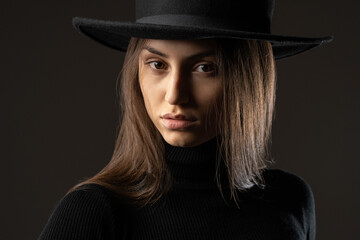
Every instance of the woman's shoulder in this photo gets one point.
(89, 190)
(287, 189)
(90, 198)
(293, 197)
(284, 179)
(89, 210)
(90, 193)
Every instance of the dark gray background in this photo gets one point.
(59, 115)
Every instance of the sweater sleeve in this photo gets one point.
(309, 212)
(82, 214)
(296, 199)
(300, 194)
(304, 196)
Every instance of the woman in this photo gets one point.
(192, 154)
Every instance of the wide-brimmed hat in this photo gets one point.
(197, 19)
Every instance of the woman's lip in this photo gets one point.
(176, 123)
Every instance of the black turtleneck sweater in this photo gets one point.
(193, 209)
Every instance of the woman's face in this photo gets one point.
(180, 77)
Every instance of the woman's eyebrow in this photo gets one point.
(192, 57)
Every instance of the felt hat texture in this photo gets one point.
(197, 19)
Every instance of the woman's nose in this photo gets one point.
(177, 91)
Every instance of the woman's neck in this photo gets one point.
(194, 166)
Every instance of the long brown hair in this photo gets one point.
(138, 171)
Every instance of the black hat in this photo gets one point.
(197, 19)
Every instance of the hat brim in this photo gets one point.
(116, 35)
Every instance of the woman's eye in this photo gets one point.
(157, 65)
(206, 68)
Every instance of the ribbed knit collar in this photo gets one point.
(193, 167)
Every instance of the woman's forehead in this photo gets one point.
(207, 43)
(165, 48)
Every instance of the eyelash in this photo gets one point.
(213, 66)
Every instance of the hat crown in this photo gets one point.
(243, 15)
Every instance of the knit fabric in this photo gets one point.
(193, 209)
